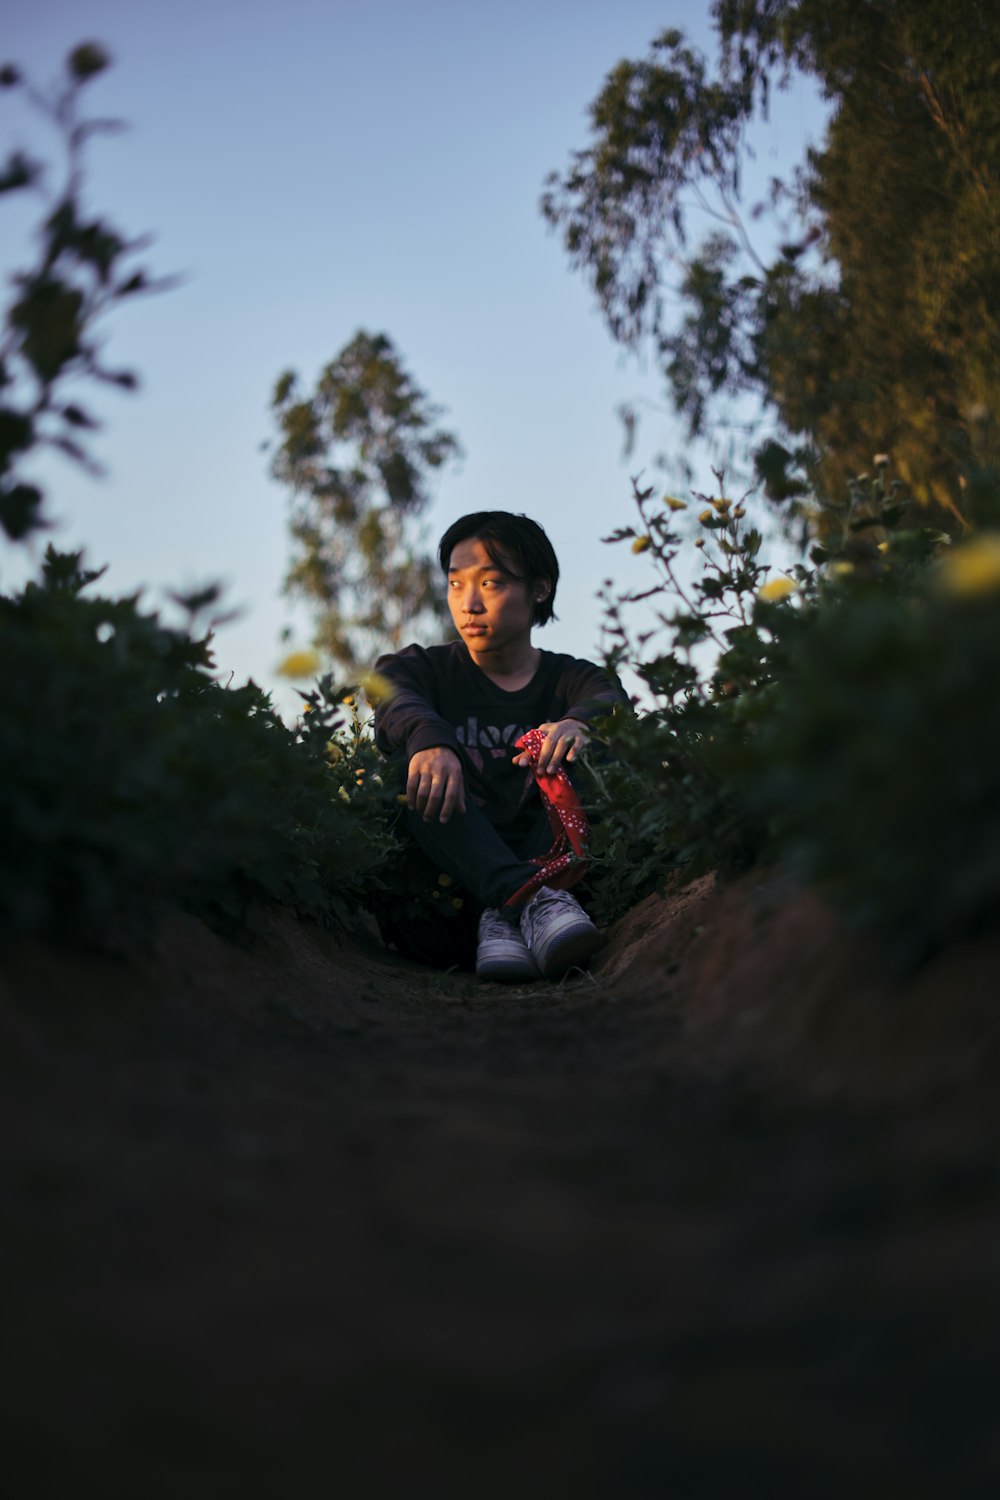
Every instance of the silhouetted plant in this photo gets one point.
(84, 267)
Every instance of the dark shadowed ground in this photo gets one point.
(297, 1217)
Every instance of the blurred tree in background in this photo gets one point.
(358, 454)
(877, 321)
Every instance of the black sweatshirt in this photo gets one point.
(442, 698)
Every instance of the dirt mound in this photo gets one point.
(764, 972)
(718, 1218)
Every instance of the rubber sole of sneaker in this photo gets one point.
(511, 971)
(506, 962)
(569, 950)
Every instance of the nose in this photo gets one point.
(472, 604)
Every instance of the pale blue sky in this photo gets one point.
(314, 168)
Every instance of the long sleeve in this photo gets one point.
(592, 692)
(409, 720)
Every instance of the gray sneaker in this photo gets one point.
(558, 932)
(502, 953)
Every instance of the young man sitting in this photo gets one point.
(473, 801)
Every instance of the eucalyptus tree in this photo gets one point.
(359, 453)
(874, 323)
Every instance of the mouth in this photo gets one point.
(474, 629)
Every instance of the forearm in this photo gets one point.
(591, 693)
(407, 721)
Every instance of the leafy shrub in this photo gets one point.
(664, 794)
(128, 775)
(846, 723)
(877, 767)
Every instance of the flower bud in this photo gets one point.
(300, 664)
(777, 589)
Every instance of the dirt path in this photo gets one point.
(300, 1218)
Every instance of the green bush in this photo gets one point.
(878, 767)
(129, 776)
(845, 723)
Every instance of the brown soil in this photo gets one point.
(298, 1217)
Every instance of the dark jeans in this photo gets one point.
(491, 866)
(487, 868)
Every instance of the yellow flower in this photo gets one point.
(973, 568)
(841, 569)
(641, 544)
(722, 506)
(883, 546)
(457, 903)
(402, 798)
(300, 664)
(706, 516)
(672, 503)
(777, 589)
(445, 880)
(740, 512)
(333, 751)
(376, 688)
(343, 794)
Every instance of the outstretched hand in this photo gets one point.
(435, 786)
(564, 739)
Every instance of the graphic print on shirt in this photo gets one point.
(499, 742)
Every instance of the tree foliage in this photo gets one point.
(83, 269)
(875, 324)
(358, 454)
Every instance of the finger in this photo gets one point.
(558, 753)
(550, 753)
(425, 792)
(459, 790)
(452, 795)
(432, 802)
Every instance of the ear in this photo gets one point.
(543, 589)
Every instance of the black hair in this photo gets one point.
(509, 539)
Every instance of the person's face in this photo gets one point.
(491, 607)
